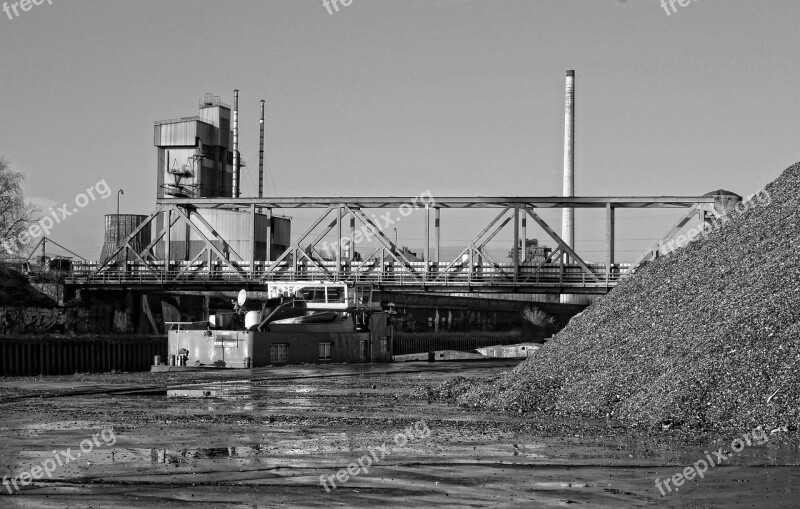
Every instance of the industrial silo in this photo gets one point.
(118, 228)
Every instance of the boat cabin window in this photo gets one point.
(279, 353)
(321, 294)
(315, 295)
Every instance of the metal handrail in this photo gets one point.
(401, 280)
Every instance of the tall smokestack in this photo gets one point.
(568, 214)
(261, 155)
(236, 143)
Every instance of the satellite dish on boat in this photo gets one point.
(242, 298)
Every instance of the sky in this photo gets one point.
(454, 97)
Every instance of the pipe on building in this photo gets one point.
(235, 190)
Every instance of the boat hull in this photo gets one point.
(303, 343)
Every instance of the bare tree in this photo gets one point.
(16, 215)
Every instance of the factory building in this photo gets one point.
(196, 159)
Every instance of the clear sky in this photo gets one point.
(459, 97)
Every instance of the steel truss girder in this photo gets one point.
(377, 202)
(434, 273)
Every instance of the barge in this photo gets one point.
(299, 323)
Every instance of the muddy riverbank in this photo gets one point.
(266, 437)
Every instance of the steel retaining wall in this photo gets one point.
(56, 356)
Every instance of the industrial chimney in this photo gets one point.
(261, 155)
(236, 143)
(568, 214)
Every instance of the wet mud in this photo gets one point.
(286, 436)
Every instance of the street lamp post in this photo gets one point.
(118, 194)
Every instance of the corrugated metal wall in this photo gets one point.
(176, 142)
(177, 134)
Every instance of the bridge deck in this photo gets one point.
(549, 278)
(215, 264)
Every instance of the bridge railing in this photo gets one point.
(386, 273)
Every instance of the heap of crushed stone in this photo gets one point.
(708, 337)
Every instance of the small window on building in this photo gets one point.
(279, 353)
(384, 345)
(364, 349)
(325, 351)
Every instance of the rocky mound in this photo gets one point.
(16, 290)
(707, 337)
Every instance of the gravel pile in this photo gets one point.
(708, 337)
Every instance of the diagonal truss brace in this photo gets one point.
(216, 235)
(552, 256)
(146, 251)
(371, 258)
(126, 244)
(190, 264)
(652, 252)
(186, 218)
(561, 244)
(471, 249)
(393, 252)
(296, 248)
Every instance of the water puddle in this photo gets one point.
(239, 390)
(177, 457)
(560, 485)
